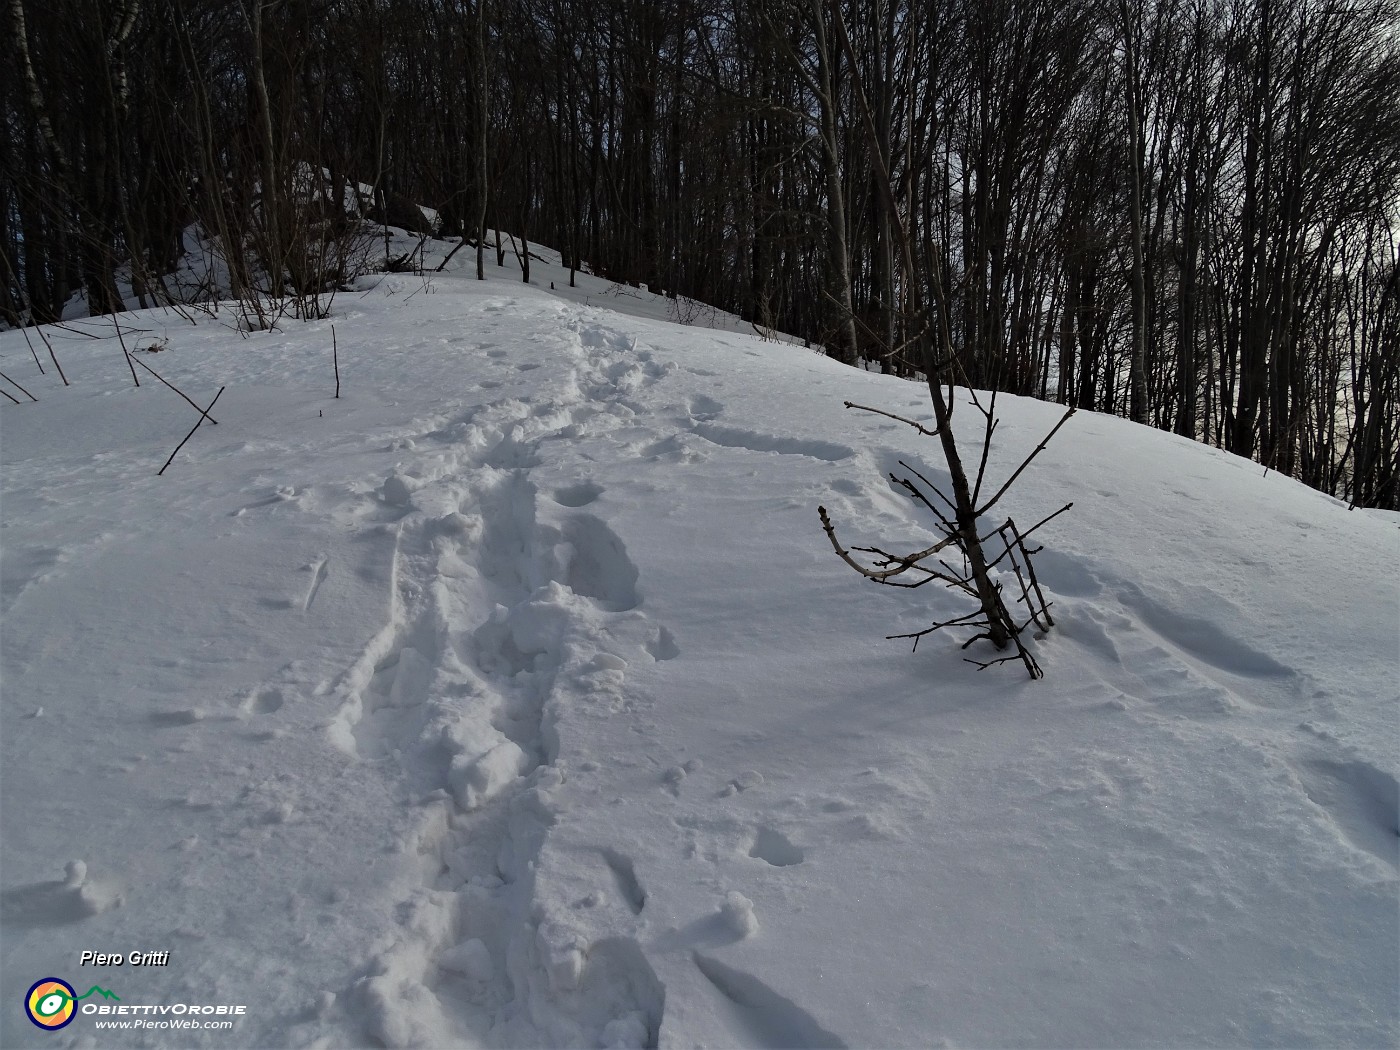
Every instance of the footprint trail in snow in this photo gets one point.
(495, 593)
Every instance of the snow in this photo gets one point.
(515, 698)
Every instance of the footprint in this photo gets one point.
(280, 495)
(776, 849)
(173, 719)
(620, 371)
(397, 490)
(579, 495)
(626, 876)
(412, 673)
(319, 571)
(1088, 630)
(600, 567)
(264, 701)
(767, 1019)
(665, 447)
(746, 780)
(733, 437)
(1200, 639)
(663, 646)
(703, 408)
(59, 903)
(1361, 800)
(1066, 574)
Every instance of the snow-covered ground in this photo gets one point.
(517, 699)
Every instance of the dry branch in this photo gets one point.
(52, 356)
(203, 415)
(177, 390)
(39, 364)
(890, 415)
(1027, 461)
(21, 389)
(904, 563)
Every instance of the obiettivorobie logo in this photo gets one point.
(52, 1004)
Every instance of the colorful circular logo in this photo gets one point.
(50, 1004)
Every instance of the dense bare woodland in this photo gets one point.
(1182, 211)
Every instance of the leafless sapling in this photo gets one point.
(966, 559)
(958, 513)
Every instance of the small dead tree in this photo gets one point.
(965, 558)
(960, 511)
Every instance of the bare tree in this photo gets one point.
(959, 516)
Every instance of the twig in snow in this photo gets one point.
(125, 352)
(1027, 461)
(890, 415)
(37, 362)
(21, 389)
(203, 415)
(335, 359)
(177, 390)
(52, 355)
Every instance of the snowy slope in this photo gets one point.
(516, 699)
